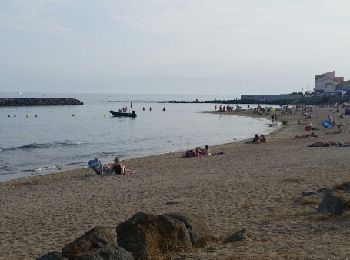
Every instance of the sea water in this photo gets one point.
(39, 140)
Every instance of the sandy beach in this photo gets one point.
(252, 186)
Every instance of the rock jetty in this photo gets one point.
(19, 102)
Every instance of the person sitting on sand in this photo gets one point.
(256, 139)
(117, 166)
(201, 152)
(262, 139)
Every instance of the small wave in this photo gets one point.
(43, 145)
(108, 154)
(40, 169)
(4, 168)
(75, 163)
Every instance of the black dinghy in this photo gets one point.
(123, 114)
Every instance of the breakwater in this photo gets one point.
(18, 102)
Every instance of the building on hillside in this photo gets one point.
(327, 82)
(269, 98)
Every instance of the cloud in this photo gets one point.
(226, 16)
(33, 16)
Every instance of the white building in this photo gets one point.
(344, 86)
(327, 82)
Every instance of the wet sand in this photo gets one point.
(252, 186)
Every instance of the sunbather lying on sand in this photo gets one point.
(307, 136)
(330, 144)
(322, 144)
(198, 152)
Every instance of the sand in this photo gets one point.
(252, 186)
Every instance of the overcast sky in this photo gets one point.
(181, 46)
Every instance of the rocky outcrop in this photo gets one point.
(197, 229)
(18, 102)
(150, 236)
(52, 256)
(96, 238)
(332, 204)
(143, 236)
(107, 253)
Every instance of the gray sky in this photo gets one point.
(214, 47)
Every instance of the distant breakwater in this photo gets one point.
(313, 100)
(19, 102)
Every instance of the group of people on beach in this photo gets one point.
(224, 108)
(258, 139)
(198, 151)
(116, 167)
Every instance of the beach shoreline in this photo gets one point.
(253, 186)
(56, 169)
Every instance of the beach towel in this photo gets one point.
(96, 165)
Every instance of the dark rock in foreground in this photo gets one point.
(332, 204)
(197, 229)
(238, 236)
(107, 253)
(18, 102)
(52, 256)
(96, 238)
(150, 236)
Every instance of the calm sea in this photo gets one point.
(64, 137)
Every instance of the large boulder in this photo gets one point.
(332, 204)
(149, 236)
(107, 253)
(96, 238)
(54, 255)
(197, 229)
